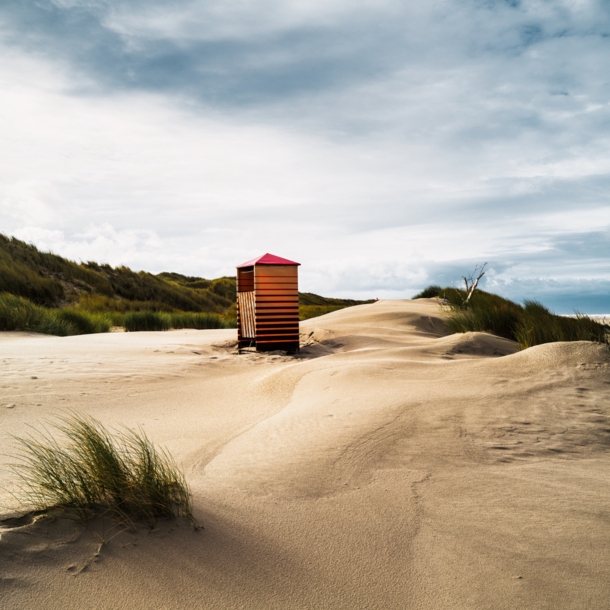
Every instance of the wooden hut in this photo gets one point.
(268, 304)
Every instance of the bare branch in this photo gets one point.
(471, 282)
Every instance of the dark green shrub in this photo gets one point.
(196, 320)
(497, 320)
(538, 325)
(530, 325)
(50, 280)
(84, 323)
(39, 273)
(309, 298)
(145, 320)
(225, 287)
(428, 293)
(17, 279)
(485, 312)
(313, 311)
(17, 313)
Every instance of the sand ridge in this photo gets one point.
(390, 465)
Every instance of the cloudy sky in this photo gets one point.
(384, 144)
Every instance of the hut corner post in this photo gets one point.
(246, 308)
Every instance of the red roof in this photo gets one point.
(267, 259)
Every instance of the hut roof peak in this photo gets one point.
(267, 259)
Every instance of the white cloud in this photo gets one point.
(196, 20)
(415, 138)
(31, 202)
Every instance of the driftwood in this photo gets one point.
(472, 282)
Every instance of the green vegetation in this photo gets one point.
(312, 305)
(313, 311)
(539, 325)
(50, 280)
(200, 321)
(429, 292)
(485, 312)
(145, 320)
(57, 296)
(41, 277)
(83, 322)
(17, 313)
(91, 473)
(308, 298)
(151, 320)
(528, 325)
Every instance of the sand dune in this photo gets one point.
(389, 466)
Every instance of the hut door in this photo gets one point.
(247, 314)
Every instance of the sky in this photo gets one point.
(385, 145)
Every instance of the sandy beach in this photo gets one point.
(389, 466)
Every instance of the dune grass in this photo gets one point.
(83, 322)
(53, 281)
(429, 292)
(538, 325)
(198, 320)
(313, 311)
(528, 325)
(98, 303)
(485, 312)
(135, 321)
(18, 313)
(90, 472)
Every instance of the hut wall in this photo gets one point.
(277, 307)
(246, 307)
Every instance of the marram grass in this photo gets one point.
(91, 472)
(198, 320)
(528, 325)
(152, 320)
(17, 313)
(146, 320)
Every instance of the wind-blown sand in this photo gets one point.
(389, 466)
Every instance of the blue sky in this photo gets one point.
(385, 145)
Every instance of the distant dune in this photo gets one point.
(389, 466)
(50, 280)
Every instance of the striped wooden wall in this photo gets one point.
(246, 305)
(246, 308)
(277, 307)
(270, 294)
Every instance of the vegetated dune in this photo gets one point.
(388, 466)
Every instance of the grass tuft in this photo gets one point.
(152, 320)
(146, 320)
(92, 472)
(539, 325)
(532, 324)
(429, 292)
(197, 320)
(485, 313)
(17, 313)
(85, 323)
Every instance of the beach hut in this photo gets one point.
(268, 304)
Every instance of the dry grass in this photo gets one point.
(528, 325)
(90, 472)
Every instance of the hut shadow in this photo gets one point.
(311, 346)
